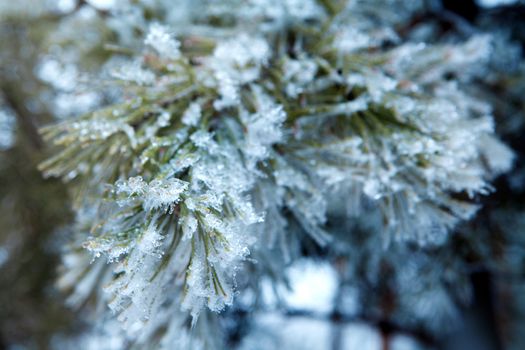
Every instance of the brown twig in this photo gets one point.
(22, 113)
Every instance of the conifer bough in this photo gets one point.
(238, 130)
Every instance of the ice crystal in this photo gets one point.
(282, 10)
(160, 39)
(237, 61)
(102, 129)
(264, 128)
(192, 115)
(158, 194)
(134, 72)
(298, 74)
(352, 39)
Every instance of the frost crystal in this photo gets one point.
(242, 51)
(281, 10)
(237, 61)
(192, 115)
(298, 74)
(134, 72)
(263, 128)
(150, 241)
(352, 39)
(100, 129)
(160, 39)
(163, 193)
(158, 194)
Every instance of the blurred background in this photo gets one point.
(48, 48)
